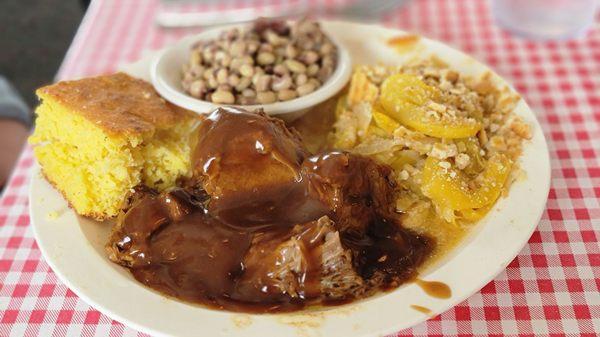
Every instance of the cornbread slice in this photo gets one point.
(96, 138)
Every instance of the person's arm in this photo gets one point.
(15, 120)
(12, 137)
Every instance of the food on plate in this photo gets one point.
(96, 138)
(267, 62)
(264, 226)
(409, 100)
(452, 141)
(252, 173)
(404, 43)
(237, 210)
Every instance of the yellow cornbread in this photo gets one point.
(97, 138)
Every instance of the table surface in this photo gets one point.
(551, 287)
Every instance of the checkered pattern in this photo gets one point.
(551, 288)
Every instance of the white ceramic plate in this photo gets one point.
(74, 246)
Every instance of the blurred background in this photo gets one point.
(37, 33)
(31, 59)
(34, 38)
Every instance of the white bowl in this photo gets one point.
(166, 78)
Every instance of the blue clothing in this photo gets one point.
(12, 105)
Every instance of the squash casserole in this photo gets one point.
(97, 138)
(452, 140)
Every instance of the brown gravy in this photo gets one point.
(434, 288)
(419, 308)
(275, 232)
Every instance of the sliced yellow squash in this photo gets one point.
(405, 97)
(448, 187)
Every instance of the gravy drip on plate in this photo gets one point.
(435, 288)
(267, 228)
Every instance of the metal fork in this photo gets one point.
(368, 10)
(361, 10)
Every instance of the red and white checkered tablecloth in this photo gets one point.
(551, 288)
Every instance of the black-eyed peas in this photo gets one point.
(269, 62)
